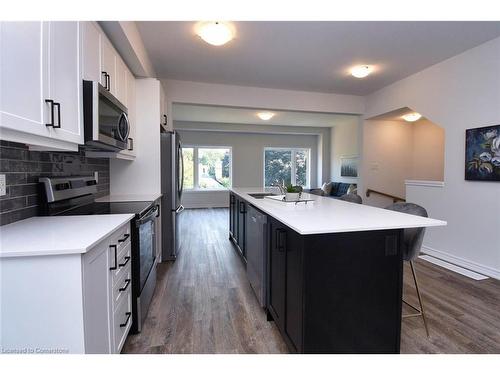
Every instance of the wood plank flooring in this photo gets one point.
(203, 303)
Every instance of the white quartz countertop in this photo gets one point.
(328, 215)
(57, 235)
(129, 197)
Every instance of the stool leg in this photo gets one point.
(419, 298)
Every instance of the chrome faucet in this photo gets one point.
(281, 188)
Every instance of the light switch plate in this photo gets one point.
(3, 187)
(96, 176)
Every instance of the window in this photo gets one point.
(290, 165)
(188, 162)
(207, 167)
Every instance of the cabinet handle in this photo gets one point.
(131, 143)
(125, 263)
(51, 103)
(108, 78)
(116, 260)
(58, 105)
(105, 74)
(125, 236)
(242, 208)
(281, 240)
(124, 288)
(126, 321)
(158, 210)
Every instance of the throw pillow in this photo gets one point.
(327, 188)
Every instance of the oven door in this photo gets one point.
(147, 245)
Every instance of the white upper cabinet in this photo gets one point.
(65, 86)
(91, 52)
(42, 65)
(130, 103)
(121, 80)
(41, 84)
(23, 64)
(163, 108)
(108, 65)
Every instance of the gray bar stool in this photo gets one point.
(412, 242)
(352, 197)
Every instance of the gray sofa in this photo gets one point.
(338, 189)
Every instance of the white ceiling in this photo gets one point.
(310, 56)
(229, 115)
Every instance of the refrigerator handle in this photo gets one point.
(181, 163)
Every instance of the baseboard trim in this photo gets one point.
(453, 259)
(453, 267)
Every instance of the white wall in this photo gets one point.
(396, 151)
(142, 175)
(427, 151)
(460, 93)
(387, 159)
(247, 159)
(344, 142)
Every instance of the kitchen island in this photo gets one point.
(333, 270)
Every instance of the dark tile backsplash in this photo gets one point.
(22, 168)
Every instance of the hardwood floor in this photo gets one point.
(203, 303)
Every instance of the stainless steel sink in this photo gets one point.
(261, 195)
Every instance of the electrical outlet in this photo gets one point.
(3, 187)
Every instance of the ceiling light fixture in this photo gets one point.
(412, 117)
(265, 115)
(361, 71)
(215, 33)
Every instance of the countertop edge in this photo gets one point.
(129, 197)
(255, 202)
(77, 250)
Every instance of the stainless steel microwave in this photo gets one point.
(105, 120)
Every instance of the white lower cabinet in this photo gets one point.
(69, 303)
(108, 313)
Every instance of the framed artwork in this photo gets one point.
(482, 153)
(349, 166)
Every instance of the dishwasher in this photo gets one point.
(256, 252)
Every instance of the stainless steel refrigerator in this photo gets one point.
(172, 176)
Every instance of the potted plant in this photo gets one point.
(293, 193)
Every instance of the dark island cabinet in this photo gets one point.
(242, 214)
(333, 292)
(237, 223)
(336, 293)
(285, 286)
(232, 216)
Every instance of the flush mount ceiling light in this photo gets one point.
(265, 115)
(411, 117)
(361, 71)
(215, 33)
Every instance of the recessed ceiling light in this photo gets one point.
(215, 33)
(361, 71)
(265, 115)
(412, 117)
